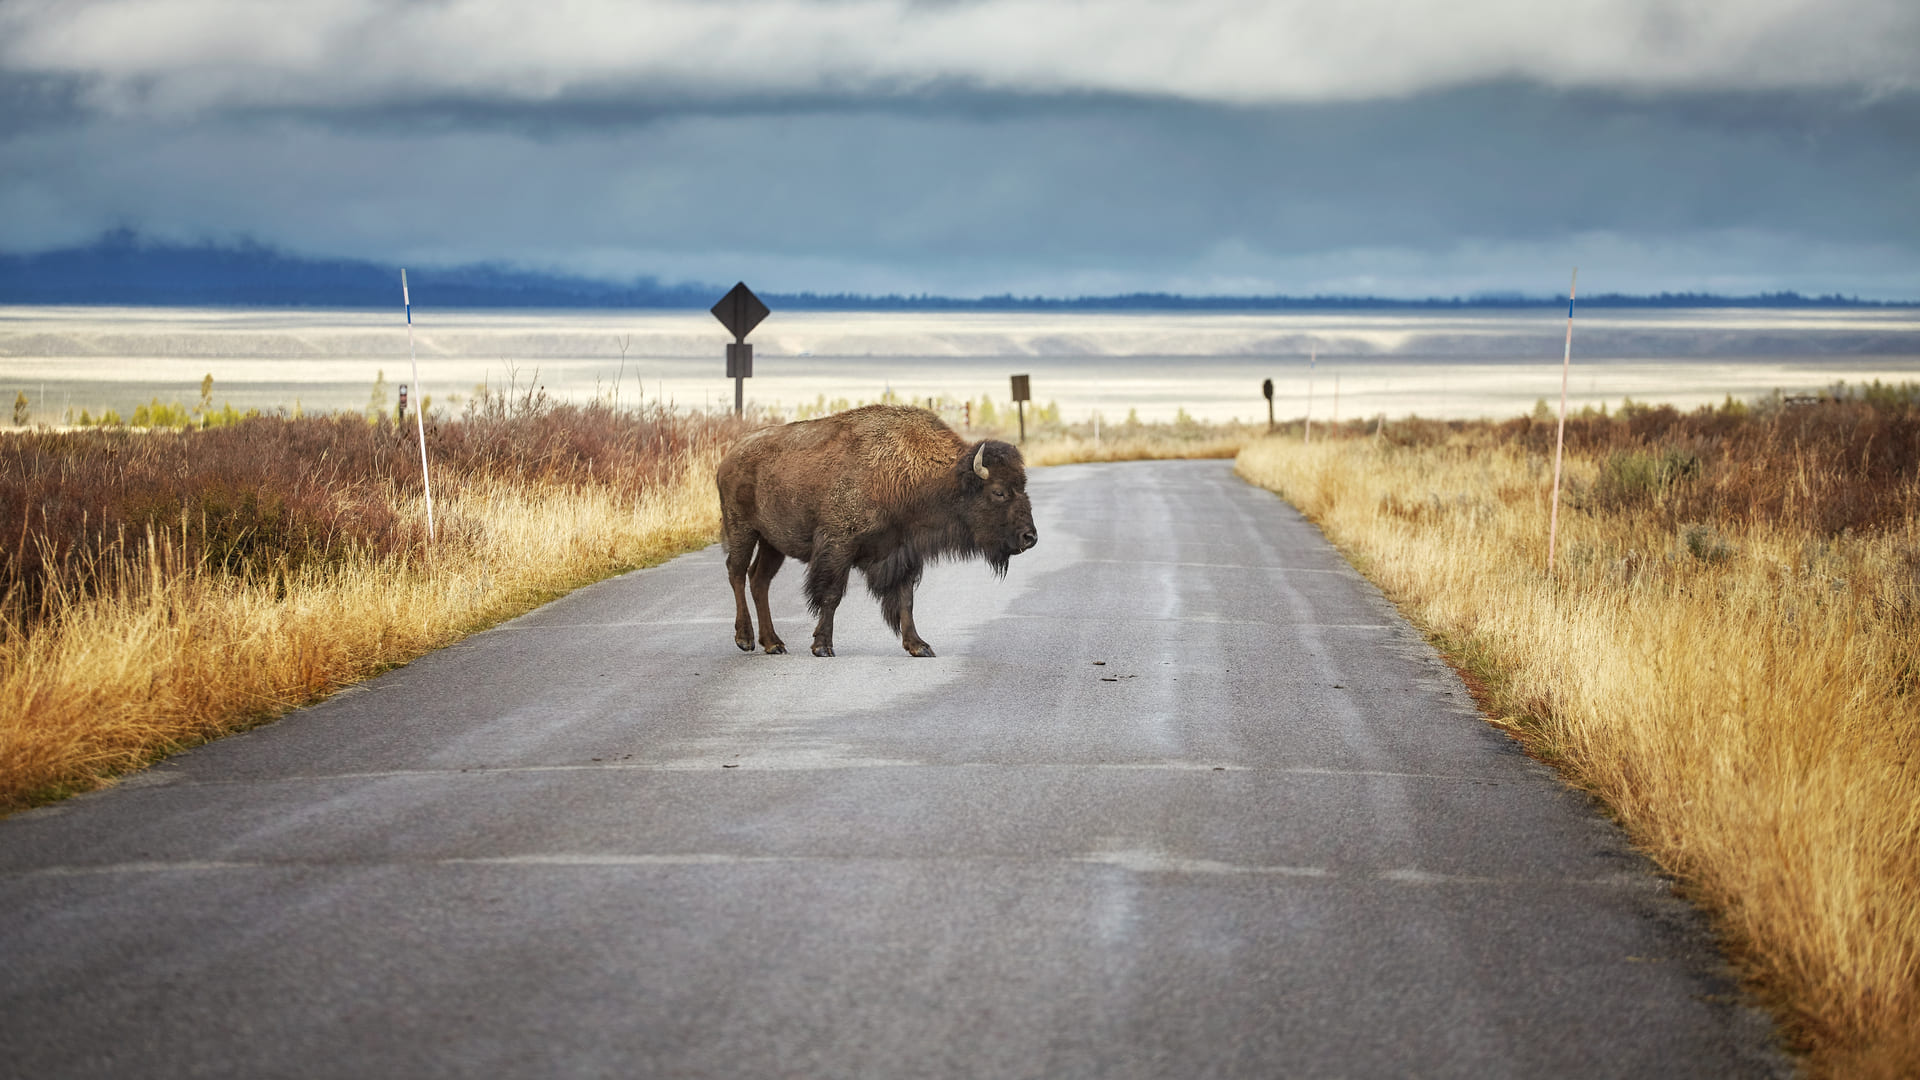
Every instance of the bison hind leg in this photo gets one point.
(766, 563)
(739, 555)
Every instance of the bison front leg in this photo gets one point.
(902, 600)
(892, 582)
(826, 585)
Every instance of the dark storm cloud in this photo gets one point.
(1084, 182)
(31, 102)
(578, 113)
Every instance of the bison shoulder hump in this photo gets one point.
(901, 448)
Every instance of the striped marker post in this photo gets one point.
(419, 411)
(1560, 438)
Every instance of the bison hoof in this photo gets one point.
(745, 646)
(776, 649)
(922, 649)
(820, 649)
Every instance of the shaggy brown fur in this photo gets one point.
(884, 489)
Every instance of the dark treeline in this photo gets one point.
(268, 495)
(1177, 302)
(123, 269)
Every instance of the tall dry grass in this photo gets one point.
(164, 588)
(1062, 444)
(1728, 656)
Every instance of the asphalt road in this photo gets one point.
(1182, 796)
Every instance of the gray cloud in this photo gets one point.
(182, 56)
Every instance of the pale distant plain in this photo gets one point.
(1441, 364)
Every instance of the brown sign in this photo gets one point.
(1020, 390)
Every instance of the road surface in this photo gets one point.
(1182, 796)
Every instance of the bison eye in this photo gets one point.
(1000, 494)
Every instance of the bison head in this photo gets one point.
(993, 492)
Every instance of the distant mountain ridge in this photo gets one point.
(123, 269)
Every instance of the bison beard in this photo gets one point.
(884, 489)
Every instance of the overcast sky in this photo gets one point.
(968, 147)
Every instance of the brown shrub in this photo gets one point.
(1844, 463)
(270, 496)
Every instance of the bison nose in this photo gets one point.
(1028, 539)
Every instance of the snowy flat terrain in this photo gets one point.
(1439, 364)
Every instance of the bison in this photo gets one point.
(883, 488)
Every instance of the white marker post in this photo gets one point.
(419, 411)
(1560, 438)
(1313, 358)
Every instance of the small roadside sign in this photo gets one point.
(740, 311)
(1022, 394)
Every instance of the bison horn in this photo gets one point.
(980, 462)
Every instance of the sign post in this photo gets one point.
(740, 311)
(1021, 395)
(419, 415)
(1266, 390)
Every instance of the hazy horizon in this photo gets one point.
(1210, 365)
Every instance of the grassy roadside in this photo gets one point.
(1728, 656)
(1140, 446)
(167, 588)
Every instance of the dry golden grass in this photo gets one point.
(1744, 697)
(172, 651)
(1139, 442)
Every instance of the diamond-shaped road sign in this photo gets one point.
(740, 311)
